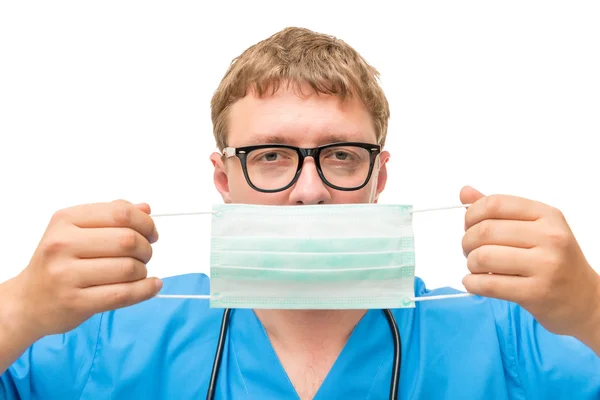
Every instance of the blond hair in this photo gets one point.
(300, 56)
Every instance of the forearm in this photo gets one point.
(591, 338)
(590, 332)
(14, 338)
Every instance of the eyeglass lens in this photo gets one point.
(274, 168)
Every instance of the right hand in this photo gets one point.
(92, 258)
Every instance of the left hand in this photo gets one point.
(524, 252)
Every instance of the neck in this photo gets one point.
(308, 330)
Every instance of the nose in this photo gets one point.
(309, 188)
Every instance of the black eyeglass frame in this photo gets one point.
(242, 152)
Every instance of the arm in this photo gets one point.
(524, 251)
(15, 338)
(92, 258)
(56, 366)
(589, 334)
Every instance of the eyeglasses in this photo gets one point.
(271, 168)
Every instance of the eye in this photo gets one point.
(341, 155)
(270, 156)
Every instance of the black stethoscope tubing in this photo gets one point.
(395, 366)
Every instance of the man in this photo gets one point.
(534, 333)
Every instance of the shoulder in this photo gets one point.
(138, 339)
(159, 316)
(156, 339)
(547, 365)
(467, 307)
(442, 323)
(536, 362)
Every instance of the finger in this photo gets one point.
(521, 234)
(510, 288)
(111, 242)
(503, 207)
(469, 195)
(501, 260)
(106, 271)
(117, 214)
(146, 208)
(143, 207)
(119, 295)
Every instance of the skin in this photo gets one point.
(306, 342)
(527, 246)
(523, 251)
(92, 257)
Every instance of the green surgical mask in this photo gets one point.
(342, 256)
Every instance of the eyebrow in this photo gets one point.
(279, 139)
(267, 139)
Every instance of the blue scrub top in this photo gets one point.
(464, 348)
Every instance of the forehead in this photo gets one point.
(302, 119)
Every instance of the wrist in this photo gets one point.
(589, 334)
(14, 318)
(15, 338)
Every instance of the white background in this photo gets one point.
(107, 100)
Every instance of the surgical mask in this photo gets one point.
(342, 256)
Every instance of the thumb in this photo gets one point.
(143, 206)
(469, 195)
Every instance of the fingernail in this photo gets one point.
(159, 284)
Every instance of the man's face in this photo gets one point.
(307, 121)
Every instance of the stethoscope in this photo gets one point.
(395, 368)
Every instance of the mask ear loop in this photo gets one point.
(418, 210)
(208, 296)
(182, 214)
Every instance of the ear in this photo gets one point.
(220, 176)
(381, 175)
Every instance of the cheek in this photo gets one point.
(236, 183)
(243, 194)
(240, 192)
(358, 196)
(246, 195)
